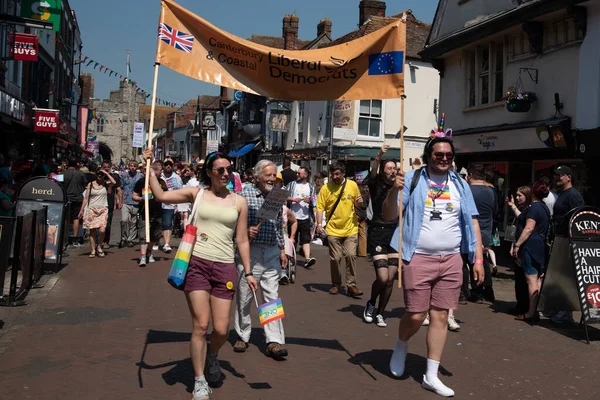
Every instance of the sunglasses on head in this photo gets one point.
(221, 171)
(440, 156)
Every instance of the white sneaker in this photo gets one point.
(452, 324)
(368, 312)
(212, 370)
(155, 247)
(142, 261)
(398, 360)
(167, 248)
(437, 387)
(380, 321)
(151, 259)
(201, 390)
(426, 321)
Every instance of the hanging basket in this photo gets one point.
(518, 105)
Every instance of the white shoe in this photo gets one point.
(142, 261)
(452, 324)
(151, 259)
(167, 248)
(155, 247)
(437, 387)
(380, 321)
(201, 390)
(426, 321)
(398, 360)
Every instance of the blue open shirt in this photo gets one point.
(414, 212)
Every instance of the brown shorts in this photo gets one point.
(218, 279)
(432, 281)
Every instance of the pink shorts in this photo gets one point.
(432, 281)
(218, 279)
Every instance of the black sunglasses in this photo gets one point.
(440, 156)
(221, 171)
(168, 164)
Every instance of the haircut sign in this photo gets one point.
(584, 232)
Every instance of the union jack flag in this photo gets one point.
(180, 40)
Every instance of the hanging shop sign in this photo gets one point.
(209, 119)
(24, 46)
(46, 10)
(46, 121)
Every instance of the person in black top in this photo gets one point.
(530, 247)
(114, 198)
(75, 183)
(139, 194)
(287, 173)
(380, 233)
(568, 198)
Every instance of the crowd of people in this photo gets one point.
(445, 249)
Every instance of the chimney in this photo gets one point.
(324, 27)
(290, 31)
(368, 8)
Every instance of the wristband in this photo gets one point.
(249, 274)
(478, 261)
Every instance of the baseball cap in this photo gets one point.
(563, 170)
(279, 176)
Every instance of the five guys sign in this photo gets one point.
(24, 46)
(46, 121)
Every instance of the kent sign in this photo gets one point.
(24, 46)
(46, 121)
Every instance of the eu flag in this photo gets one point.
(386, 63)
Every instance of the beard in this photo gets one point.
(269, 187)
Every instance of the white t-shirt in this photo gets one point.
(549, 201)
(301, 210)
(440, 233)
(173, 183)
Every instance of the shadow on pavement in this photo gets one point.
(313, 287)
(183, 370)
(379, 360)
(1, 324)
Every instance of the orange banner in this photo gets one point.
(370, 67)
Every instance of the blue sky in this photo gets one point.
(109, 27)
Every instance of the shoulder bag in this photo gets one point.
(182, 258)
(332, 212)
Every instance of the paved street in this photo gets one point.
(106, 329)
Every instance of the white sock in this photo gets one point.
(398, 361)
(432, 368)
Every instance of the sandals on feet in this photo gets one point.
(92, 255)
(100, 253)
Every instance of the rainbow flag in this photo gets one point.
(182, 257)
(271, 311)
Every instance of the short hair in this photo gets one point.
(477, 171)
(540, 189)
(261, 165)
(337, 166)
(287, 161)
(323, 174)
(526, 191)
(107, 162)
(305, 169)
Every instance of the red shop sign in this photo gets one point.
(46, 121)
(24, 46)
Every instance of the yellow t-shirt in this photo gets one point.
(344, 221)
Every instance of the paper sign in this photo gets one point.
(359, 177)
(138, 135)
(271, 311)
(273, 203)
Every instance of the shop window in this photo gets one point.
(370, 119)
(484, 69)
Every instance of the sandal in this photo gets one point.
(92, 255)
(100, 252)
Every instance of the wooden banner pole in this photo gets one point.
(148, 162)
(401, 192)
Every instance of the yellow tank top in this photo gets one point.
(216, 224)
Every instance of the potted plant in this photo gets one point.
(519, 101)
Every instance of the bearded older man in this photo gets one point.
(267, 257)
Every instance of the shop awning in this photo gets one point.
(364, 153)
(245, 149)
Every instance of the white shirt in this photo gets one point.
(441, 236)
(549, 201)
(301, 210)
(173, 183)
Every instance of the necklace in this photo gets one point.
(436, 195)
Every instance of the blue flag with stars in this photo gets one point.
(386, 63)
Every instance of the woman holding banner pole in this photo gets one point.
(211, 278)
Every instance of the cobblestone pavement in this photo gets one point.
(106, 329)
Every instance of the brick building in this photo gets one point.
(114, 121)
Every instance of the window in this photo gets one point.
(181, 147)
(485, 75)
(561, 33)
(369, 122)
(100, 124)
(300, 138)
